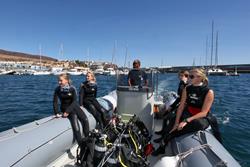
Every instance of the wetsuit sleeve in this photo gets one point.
(55, 102)
(74, 94)
(129, 76)
(81, 95)
(95, 94)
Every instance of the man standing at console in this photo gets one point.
(136, 76)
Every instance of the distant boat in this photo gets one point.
(42, 73)
(74, 72)
(124, 71)
(8, 72)
(99, 70)
(57, 70)
(109, 71)
(235, 73)
(216, 71)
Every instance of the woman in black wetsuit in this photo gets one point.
(183, 77)
(66, 93)
(87, 98)
(193, 110)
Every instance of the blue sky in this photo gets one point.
(157, 32)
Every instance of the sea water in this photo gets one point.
(27, 98)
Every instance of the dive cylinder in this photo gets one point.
(113, 161)
(100, 149)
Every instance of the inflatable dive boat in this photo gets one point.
(49, 141)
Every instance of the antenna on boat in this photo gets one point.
(212, 45)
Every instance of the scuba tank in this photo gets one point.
(100, 148)
(113, 161)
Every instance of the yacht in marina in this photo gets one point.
(99, 70)
(109, 71)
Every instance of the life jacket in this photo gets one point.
(195, 98)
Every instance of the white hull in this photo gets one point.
(7, 72)
(75, 73)
(217, 72)
(42, 73)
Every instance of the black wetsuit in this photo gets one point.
(169, 117)
(67, 97)
(137, 77)
(181, 86)
(87, 98)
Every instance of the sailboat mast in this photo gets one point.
(194, 62)
(61, 51)
(216, 50)
(40, 54)
(126, 54)
(113, 54)
(206, 51)
(88, 56)
(212, 45)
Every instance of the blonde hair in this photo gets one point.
(202, 74)
(66, 77)
(92, 75)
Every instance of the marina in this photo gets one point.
(125, 83)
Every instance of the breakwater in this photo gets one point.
(241, 68)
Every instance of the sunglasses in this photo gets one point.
(192, 76)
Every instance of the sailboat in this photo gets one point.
(41, 72)
(214, 70)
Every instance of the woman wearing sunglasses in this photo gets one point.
(194, 107)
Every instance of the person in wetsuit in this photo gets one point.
(136, 76)
(193, 110)
(69, 107)
(183, 76)
(87, 99)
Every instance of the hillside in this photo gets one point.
(18, 56)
